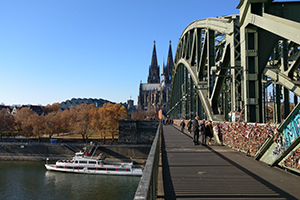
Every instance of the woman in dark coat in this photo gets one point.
(189, 125)
(202, 131)
(182, 125)
(196, 131)
(209, 131)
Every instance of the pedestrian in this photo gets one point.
(202, 131)
(220, 133)
(196, 131)
(209, 131)
(189, 125)
(182, 125)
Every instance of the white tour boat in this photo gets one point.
(82, 163)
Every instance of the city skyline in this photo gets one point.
(52, 51)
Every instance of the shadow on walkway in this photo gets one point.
(169, 192)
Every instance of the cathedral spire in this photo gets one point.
(154, 75)
(169, 66)
(154, 57)
(170, 56)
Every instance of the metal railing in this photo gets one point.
(147, 187)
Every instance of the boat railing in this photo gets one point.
(147, 187)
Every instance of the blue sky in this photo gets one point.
(54, 50)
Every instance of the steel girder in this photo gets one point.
(224, 64)
(269, 43)
(203, 44)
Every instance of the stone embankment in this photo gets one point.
(35, 151)
(134, 142)
(41, 151)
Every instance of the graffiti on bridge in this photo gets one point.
(292, 130)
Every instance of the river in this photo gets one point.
(30, 180)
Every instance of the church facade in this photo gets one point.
(155, 94)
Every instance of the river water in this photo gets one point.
(24, 180)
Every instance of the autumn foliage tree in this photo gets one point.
(22, 120)
(52, 123)
(37, 122)
(29, 122)
(64, 120)
(84, 120)
(141, 114)
(51, 108)
(138, 114)
(96, 118)
(6, 121)
(80, 119)
(112, 113)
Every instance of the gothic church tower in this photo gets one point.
(154, 95)
(154, 72)
(169, 67)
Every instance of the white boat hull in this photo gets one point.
(96, 170)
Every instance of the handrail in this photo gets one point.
(147, 187)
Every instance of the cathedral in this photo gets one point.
(154, 95)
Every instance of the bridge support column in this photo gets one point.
(252, 82)
(284, 63)
(211, 60)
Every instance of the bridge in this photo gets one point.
(228, 63)
(176, 169)
(224, 70)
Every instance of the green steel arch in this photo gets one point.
(228, 64)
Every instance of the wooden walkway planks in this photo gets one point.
(217, 172)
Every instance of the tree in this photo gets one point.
(80, 119)
(37, 123)
(51, 108)
(6, 121)
(101, 125)
(64, 120)
(21, 118)
(95, 121)
(138, 114)
(52, 123)
(113, 113)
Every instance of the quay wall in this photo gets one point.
(134, 142)
(42, 151)
(137, 131)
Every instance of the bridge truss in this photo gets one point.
(231, 63)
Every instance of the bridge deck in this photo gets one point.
(217, 172)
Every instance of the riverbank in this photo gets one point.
(35, 151)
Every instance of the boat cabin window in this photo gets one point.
(76, 161)
(83, 161)
(92, 162)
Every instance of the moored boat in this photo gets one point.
(82, 163)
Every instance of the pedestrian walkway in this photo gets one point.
(217, 172)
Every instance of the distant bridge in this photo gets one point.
(231, 63)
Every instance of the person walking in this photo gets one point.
(196, 131)
(220, 133)
(182, 125)
(209, 130)
(189, 125)
(202, 131)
